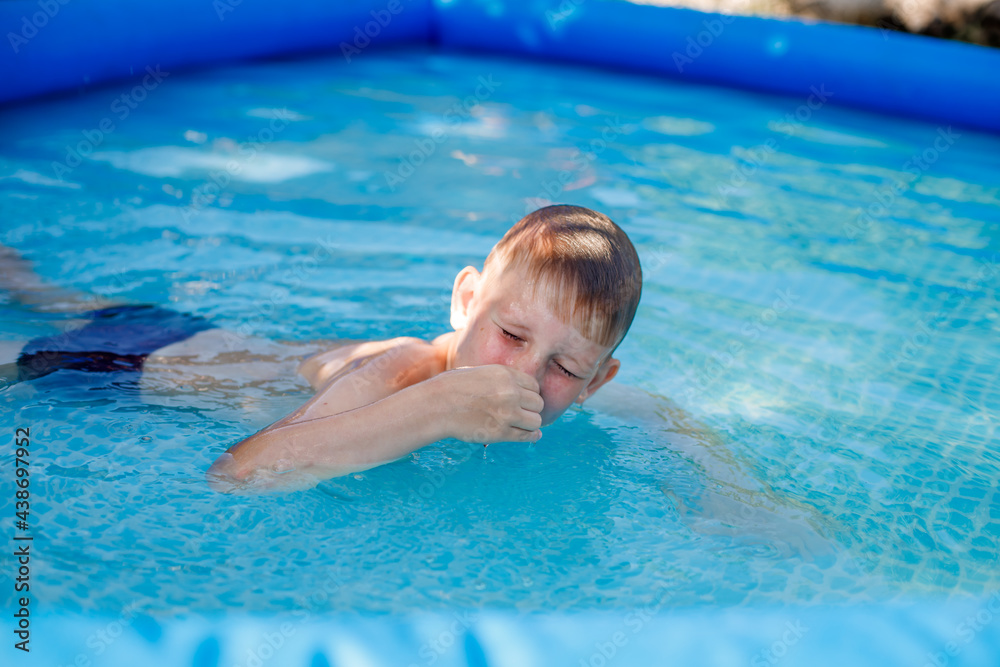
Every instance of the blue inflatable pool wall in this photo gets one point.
(65, 45)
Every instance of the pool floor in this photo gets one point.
(810, 384)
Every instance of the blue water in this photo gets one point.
(821, 395)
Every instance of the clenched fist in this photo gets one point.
(492, 403)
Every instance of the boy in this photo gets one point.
(534, 332)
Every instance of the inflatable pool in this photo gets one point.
(64, 46)
(753, 198)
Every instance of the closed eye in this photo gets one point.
(517, 338)
(564, 370)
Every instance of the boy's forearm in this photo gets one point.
(342, 443)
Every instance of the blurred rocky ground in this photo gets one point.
(976, 21)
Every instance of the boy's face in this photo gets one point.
(499, 322)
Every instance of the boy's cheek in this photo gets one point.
(492, 353)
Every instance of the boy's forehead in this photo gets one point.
(517, 291)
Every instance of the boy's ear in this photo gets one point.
(466, 284)
(604, 374)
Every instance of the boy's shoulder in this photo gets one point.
(401, 346)
(396, 354)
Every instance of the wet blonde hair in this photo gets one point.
(588, 263)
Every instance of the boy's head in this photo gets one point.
(556, 296)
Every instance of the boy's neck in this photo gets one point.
(445, 346)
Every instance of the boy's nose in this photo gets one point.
(530, 363)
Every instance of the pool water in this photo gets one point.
(820, 303)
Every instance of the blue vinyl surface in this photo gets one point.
(919, 635)
(88, 41)
(866, 67)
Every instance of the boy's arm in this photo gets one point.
(345, 379)
(328, 446)
(378, 408)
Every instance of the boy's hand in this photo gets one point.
(492, 403)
